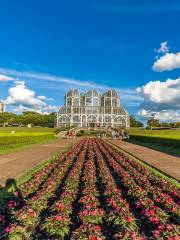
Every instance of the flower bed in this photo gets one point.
(92, 193)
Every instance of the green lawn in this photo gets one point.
(162, 140)
(25, 129)
(163, 133)
(21, 137)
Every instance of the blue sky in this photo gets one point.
(97, 44)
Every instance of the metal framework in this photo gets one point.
(92, 109)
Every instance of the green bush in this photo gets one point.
(80, 133)
(63, 128)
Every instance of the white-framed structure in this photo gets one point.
(2, 107)
(92, 109)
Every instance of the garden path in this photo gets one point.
(16, 163)
(166, 163)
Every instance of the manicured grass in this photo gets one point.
(25, 129)
(163, 133)
(157, 138)
(11, 141)
(157, 147)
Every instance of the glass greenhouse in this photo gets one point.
(92, 109)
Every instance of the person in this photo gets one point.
(122, 134)
(113, 134)
(126, 135)
(67, 135)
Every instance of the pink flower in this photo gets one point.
(169, 200)
(11, 204)
(94, 212)
(16, 193)
(8, 229)
(96, 228)
(24, 216)
(2, 218)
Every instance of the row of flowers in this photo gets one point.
(118, 213)
(91, 214)
(162, 199)
(149, 213)
(163, 185)
(20, 219)
(104, 188)
(58, 221)
(41, 176)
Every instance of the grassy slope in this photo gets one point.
(23, 137)
(163, 133)
(171, 134)
(25, 129)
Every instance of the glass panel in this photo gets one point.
(76, 110)
(107, 119)
(76, 102)
(69, 101)
(114, 102)
(107, 102)
(76, 119)
(95, 102)
(88, 101)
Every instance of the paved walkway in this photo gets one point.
(162, 161)
(16, 163)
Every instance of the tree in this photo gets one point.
(33, 118)
(134, 122)
(152, 122)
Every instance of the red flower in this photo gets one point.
(129, 219)
(60, 206)
(58, 218)
(151, 212)
(93, 238)
(169, 200)
(94, 212)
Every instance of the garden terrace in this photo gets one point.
(92, 192)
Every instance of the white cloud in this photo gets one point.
(42, 98)
(169, 61)
(161, 99)
(20, 94)
(52, 78)
(164, 115)
(164, 48)
(62, 84)
(25, 99)
(157, 92)
(5, 78)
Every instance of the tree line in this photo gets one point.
(33, 118)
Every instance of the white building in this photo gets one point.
(2, 107)
(92, 109)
